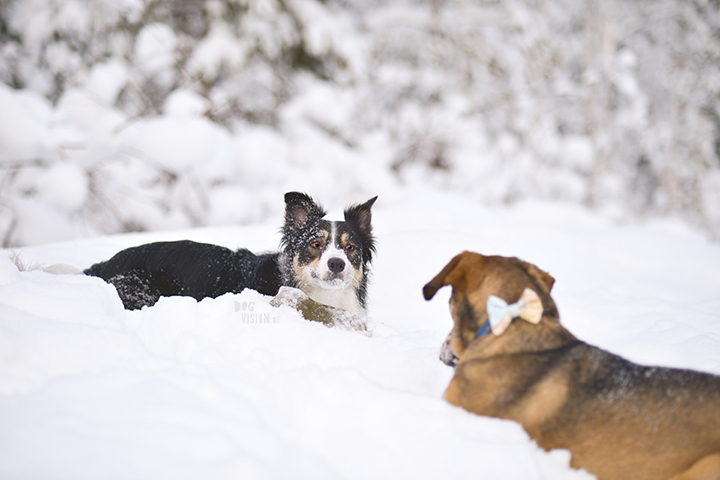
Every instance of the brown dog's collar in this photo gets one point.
(484, 330)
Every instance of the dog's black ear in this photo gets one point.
(299, 207)
(360, 217)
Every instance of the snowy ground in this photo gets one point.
(188, 390)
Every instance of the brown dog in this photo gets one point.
(619, 420)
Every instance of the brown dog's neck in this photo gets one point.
(522, 337)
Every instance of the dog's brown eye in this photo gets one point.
(316, 244)
(350, 248)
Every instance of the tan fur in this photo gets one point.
(618, 419)
(344, 240)
(705, 469)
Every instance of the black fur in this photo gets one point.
(147, 272)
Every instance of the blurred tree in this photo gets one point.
(613, 103)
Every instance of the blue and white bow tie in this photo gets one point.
(500, 314)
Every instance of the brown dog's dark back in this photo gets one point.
(620, 420)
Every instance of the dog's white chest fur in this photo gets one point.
(345, 298)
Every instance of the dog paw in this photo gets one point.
(318, 312)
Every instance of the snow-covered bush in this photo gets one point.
(141, 98)
(145, 114)
(614, 104)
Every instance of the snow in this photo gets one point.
(106, 80)
(218, 50)
(190, 389)
(185, 103)
(175, 143)
(25, 131)
(64, 185)
(38, 223)
(155, 51)
(480, 127)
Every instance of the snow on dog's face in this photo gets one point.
(332, 259)
(328, 260)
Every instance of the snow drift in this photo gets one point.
(210, 389)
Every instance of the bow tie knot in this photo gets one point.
(500, 314)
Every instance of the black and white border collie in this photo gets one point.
(328, 260)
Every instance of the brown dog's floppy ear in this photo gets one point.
(440, 279)
(544, 278)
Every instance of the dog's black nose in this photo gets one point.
(336, 265)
